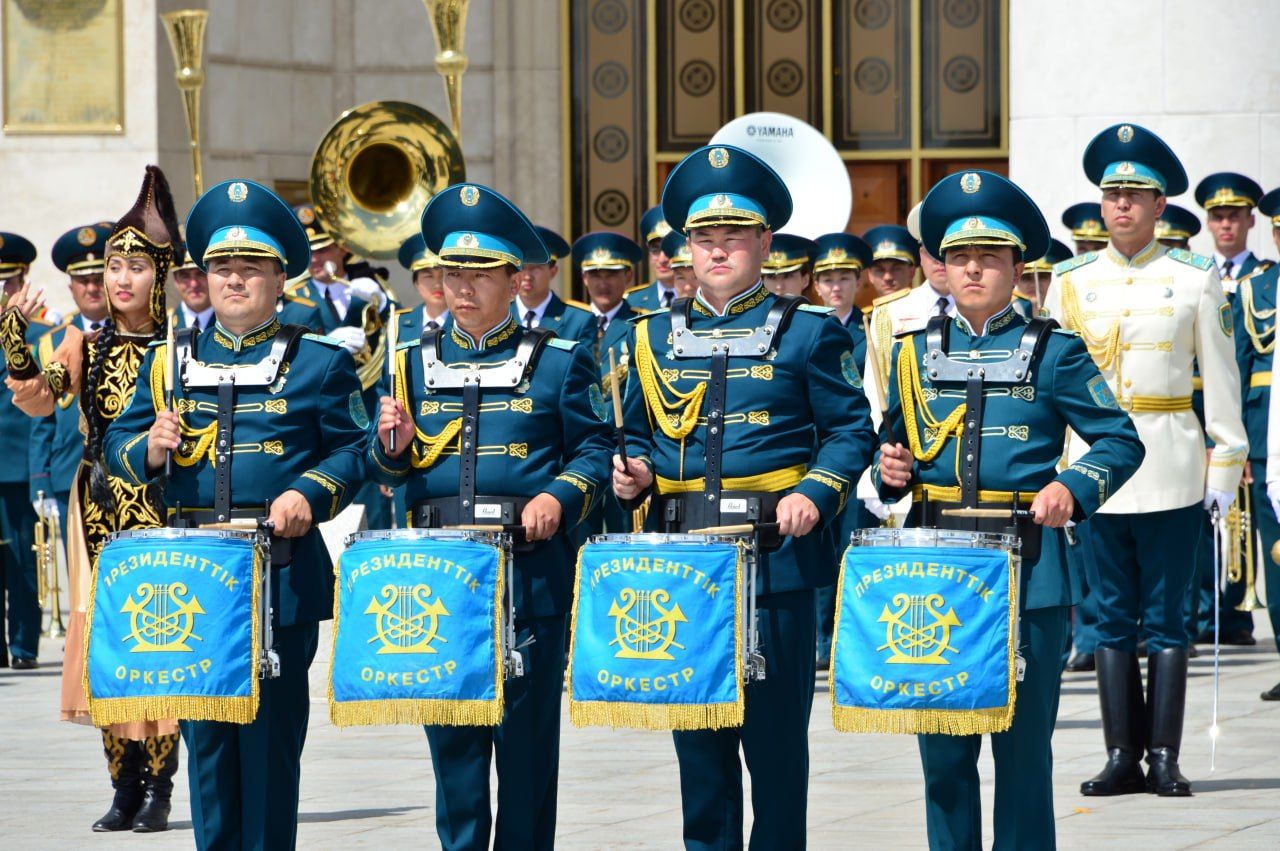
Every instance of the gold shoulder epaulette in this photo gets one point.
(885, 299)
(1076, 262)
(637, 288)
(640, 310)
(292, 286)
(298, 299)
(578, 304)
(402, 311)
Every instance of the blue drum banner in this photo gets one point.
(173, 630)
(924, 641)
(657, 636)
(417, 632)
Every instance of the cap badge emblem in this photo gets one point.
(470, 196)
(972, 223)
(718, 157)
(86, 236)
(236, 234)
(1125, 133)
(971, 182)
(306, 215)
(237, 192)
(1125, 167)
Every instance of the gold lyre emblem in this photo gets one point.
(644, 625)
(918, 633)
(406, 619)
(160, 620)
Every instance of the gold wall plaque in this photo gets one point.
(63, 67)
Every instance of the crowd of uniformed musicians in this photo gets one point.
(1144, 413)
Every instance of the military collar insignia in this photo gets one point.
(266, 331)
(1146, 255)
(492, 338)
(740, 303)
(994, 324)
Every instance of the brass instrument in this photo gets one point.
(1252, 554)
(1239, 524)
(47, 534)
(370, 359)
(186, 38)
(374, 171)
(449, 24)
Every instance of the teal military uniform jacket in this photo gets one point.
(566, 321)
(305, 290)
(796, 421)
(647, 297)
(1253, 315)
(306, 432)
(300, 310)
(1023, 429)
(546, 435)
(56, 442)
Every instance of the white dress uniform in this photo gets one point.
(1146, 320)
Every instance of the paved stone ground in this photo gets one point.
(619, 789)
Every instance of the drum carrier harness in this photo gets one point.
(1017, 369)
(468, 508)
(194, 374)
(715, 506)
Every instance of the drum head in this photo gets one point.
(932, 538)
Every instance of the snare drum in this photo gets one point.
(423, 628)
(176, 626)
(926, 632)
(661, 631)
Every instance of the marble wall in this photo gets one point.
(1202, 75)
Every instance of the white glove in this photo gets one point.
(877, 508)
(368, 290)
(351, 338)
(53, 315)
(50, 507)
(1222, 499)
(1273, 494)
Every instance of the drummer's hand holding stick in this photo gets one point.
(290, 514)
(1053, 506)
(632, 478)
(163, 438)
(797, 515)
(895, 465)
(541, 517)
(395, 429)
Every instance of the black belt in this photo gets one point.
(928, 513)
(194, 518)
(502, 511)
(680, 512)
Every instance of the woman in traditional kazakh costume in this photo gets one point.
(101, 368)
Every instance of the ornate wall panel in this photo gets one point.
(608, 91)
(694, 73)
(872, 75)
(784, 67)
(961, 74)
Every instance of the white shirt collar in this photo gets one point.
(595, 311)
(87, 324)
(1220, 260)
(439, 320)
(538, 310)
(925, 300)
(189, 316)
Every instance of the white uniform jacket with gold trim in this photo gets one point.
(1146, 320)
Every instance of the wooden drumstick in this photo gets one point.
(981, 513)
(392, 328)
(617, 409)
(736, 529)
(170, 364)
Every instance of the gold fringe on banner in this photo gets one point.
(948, 722)
(433, 711)
(184, 707)
(660, 716)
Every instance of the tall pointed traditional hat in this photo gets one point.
(150, 229)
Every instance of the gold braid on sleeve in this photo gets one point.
(13, 338)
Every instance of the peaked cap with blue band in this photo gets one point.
(893, 242)
(724, 185)
(1130, 156)
(788, 253)
(241, 217)
(1269, 205)
(1058, 251)
(556, 245)
(981, 208)
(1177, 223)
(82, 250)
(1086, 223)
(414, 256)
(676, 246)
(470, 226)
(840, 251)
(653, 225)
(1227, 189)
(604, 249)
(16, 254)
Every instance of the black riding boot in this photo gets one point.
(1166, 705)
(124, 762)
(1120, 695)
(159, 762)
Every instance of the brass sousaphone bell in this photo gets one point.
(375, 170)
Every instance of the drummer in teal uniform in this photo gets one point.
(659, 292)
(540, 454)
(1029, 292)
(608, 262)
(1088, 230)
(781, 430)
(983, 226)
(17, 562)
(788, 269)
(299, 435)
(1255, 336)
(838, 259)
(1176, 225)
(537, 306)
